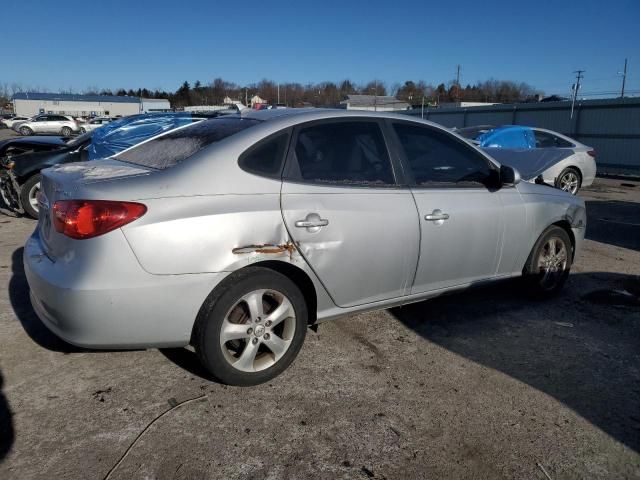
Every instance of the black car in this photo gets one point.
(21, 160)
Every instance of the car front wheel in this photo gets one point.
(549, 262)
(251, 327)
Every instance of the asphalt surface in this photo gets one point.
(481, 384)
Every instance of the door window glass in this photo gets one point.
(437, 158)
(352, 153)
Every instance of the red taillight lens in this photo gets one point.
(81, 219)
(591, 153)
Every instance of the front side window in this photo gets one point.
(436, 158)
(167, 150)
(346, 152)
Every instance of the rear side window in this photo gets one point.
(265, 158)
(548, 140)
(438, 159)
(352, 153)
(167, 150)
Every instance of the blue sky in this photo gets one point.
(159, 44)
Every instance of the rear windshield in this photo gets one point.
(176, 146)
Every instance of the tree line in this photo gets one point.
(323, 94)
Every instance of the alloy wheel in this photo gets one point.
(569, 182)
(552, 262)
(258, 330)
(33, 196)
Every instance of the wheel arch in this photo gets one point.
(566, 226)
(297, 275)
(300, 278)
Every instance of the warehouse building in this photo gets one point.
(30, 103)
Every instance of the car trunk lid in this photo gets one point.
(75, 181)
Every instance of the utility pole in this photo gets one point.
(278, 94)
(375, 97)
(576, 87)
(422, 113)
(624, 77)
(458, 82)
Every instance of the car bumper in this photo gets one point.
(137, 310)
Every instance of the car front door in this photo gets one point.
(355, 226)
(460, 208)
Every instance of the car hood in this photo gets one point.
(52, 141)
(530, 162)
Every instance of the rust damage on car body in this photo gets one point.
(266, 248)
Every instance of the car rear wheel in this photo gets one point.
(549, 262)
(26, 131)
(28, 196)
(569, 180)
(66, 131)
(251, 327)
(83, 130)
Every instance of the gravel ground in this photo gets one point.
(480, 384)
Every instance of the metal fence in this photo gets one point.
(611, 127)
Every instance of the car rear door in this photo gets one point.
(461, 215)
(354, 224)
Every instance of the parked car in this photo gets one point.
(48, 123)
(22, 158)
(94, 123)
(237, 233)
(540, 155)
(9, 122)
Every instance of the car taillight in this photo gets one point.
(591, 153)
(82, 219)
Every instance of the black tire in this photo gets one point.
(547, 281)
(222, 302)
(83, 130)
(66, 131)
(29, 188)
(25, 131)
(569, 174)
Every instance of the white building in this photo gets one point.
(32, 103)
(155, 105)
(379, 103)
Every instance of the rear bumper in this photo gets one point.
(134, 310)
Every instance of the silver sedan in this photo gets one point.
(237, 233)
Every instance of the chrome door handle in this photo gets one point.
(437, 216)
(312, 222)
(323, 222)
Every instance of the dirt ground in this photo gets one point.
(482, 384)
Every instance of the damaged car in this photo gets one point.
(540, 155)
(236, 234)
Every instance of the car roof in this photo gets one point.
(293, 116)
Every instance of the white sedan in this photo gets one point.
(540, 155)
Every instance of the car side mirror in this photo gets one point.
(509, 176)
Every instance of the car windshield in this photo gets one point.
(169, 149)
